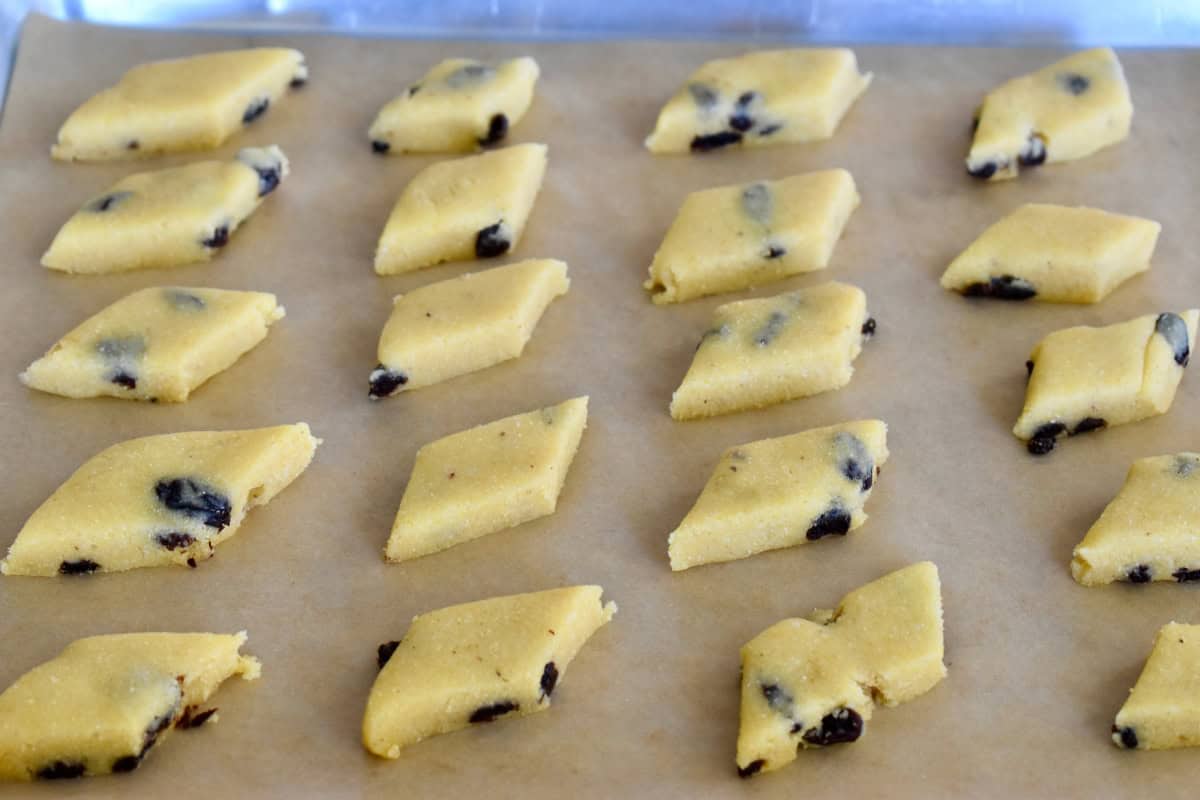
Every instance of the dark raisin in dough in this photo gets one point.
(492, 241)
(494, 711)
(268, 179)
(704, 96)
(255, 110)
(715, 141)
(549, 679)
(174, 540)
(1044, 438)
(298, 82)
(185, 301)
(219, 238)
(1172, 328)
(842, 725)
(378, 146)
(775, 251)
(984, 172)
(868, 328)
(767, 130)
(1089, 424)
(1139, 574)
(1034, 154)
(1003, 287)
(108, 201)
(384, 382)
(769, 331)
(1185, 575)
(194, 719)
(61, 770)
(778, 698)
(753, 768)
(834, 522)
(385, 652)
(127, 763)
(82, 566)
(134, 144)
(1127, 736)
(1028, 368)
(497, 130)
(194, 498)
(1075, 83)
(123, 378)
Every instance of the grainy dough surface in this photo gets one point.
(657, 693)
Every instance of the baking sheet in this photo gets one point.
(1037, 664)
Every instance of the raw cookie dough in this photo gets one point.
(168, 217)
(1053, 253)
(734, 237)
(105, 701)
(158, 500)
(761, 352)
(157, 344)
(464, 324)
(486, 479)
(460, 105)
(1163, 708)
(193, 103)
(1148, 532)
(782, 492)
(473, 207)
(478, 662)
(1062, 112)
(1083, 379)
(814, 682)
(760, 98)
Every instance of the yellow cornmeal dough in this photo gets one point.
(1083, 379)
(1062, 112)
(1151, 529)
(105, 701)
(464, 324)
(473, 207)
(157, 344)
(814, 682)
(760, 98)
(193, 103)
(478, 662)
(158, 500)
(461, 104)
(486, 479)
(734, 237)
(761, 352)
(168, 217)
(1163, 708)
(1056, 254)
(782, 492)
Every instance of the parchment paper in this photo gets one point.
(1037, 664)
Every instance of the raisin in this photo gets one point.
(82, 566)
(1003, 287)
(194, 498)
(268, 179)
(1089, 424)
(549, 679)
(298, 82)
(174, 540)
(840, 726)
(984, 172)
(704, 96)
(1034, 154)
(854, 459)
(770, 330)
(133, 144)
(191, 562)
(255, 110)
(497, 130)
(194, 719)
(868, 327)
(185, 301)
(1028, 369)
(123, 378)
(384, 382)
(778, 698)
(1043, 439)
(1172, 328)
(385, 651)
(1075, 83)
(412, 90)
(767, 130)
(753, 768)
(775, 251)
(60, 770)
(1185, 575)
(378, 146)
(127, 763)
(1125, 737)
(714, 141)
(219, 238)
(1139, 574)
(741, 122)
(835, 521)
(492, 241)
(490, 713)
(108, 201)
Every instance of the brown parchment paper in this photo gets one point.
(1037, 664)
